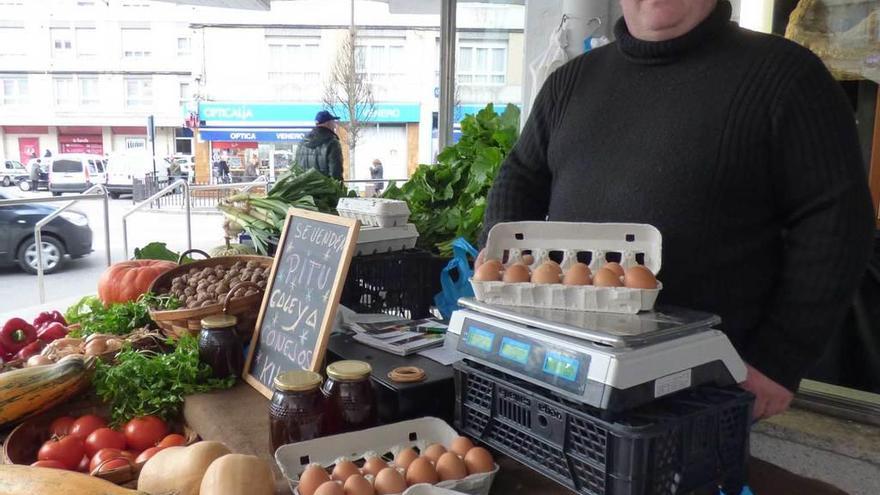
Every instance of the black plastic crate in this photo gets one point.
(401, 283)
(696, 439)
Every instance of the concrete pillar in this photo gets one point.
(107, 140)
(579, 27)
(53, 141)
(3, 147)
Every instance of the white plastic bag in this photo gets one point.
(552, 58)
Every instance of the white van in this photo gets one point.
(74, 172)
(124, 168)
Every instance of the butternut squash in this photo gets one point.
(179, 469)
(28, 391)
(26, 480)
(238, 474)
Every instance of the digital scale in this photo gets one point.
(613, 362)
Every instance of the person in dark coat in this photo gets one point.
(34, 173)
(321, 149)
(377, 172)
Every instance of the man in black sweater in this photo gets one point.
(738, 146)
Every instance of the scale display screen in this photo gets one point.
(481, 339)
(514, 350)
(561, 366)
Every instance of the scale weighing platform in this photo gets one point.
(613, 362)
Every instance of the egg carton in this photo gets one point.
(385, 441)
(374, 240)
(374, 212)
(590, 243)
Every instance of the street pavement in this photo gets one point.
(80, 277)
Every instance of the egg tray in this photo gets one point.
(568, 243)
(374, 212)
(385, 441)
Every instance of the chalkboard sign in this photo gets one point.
(300, 302)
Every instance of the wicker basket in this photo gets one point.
(178, 322)
(24, 441)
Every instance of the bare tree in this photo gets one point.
(349, 88)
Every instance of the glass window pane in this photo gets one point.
(498, 60)
(465, 55)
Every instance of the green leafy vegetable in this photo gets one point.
(117, 319)
(447, 200)
(141, 383)
(156, 251)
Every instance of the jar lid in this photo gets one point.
(219, 321)
(297, 381)
(349, 370)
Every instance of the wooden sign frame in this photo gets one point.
(333, 301)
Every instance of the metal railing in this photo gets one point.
(210, 194)
(165, 190)
(89, 194)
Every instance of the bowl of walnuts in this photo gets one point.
(228, 284)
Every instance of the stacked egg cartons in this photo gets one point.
(384, 224)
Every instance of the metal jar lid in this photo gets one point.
(349, 370)
(297, 381)
(219, 321)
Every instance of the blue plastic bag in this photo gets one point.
(454, 288)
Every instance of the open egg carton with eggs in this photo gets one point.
(604, 267)
(387, 446)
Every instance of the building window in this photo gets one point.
(184, 93)
(15, 91)
(88, 90)
(381, 61)
(62, 42)
(86, 42)
(136, 43)
(294, 64)
(12, 41)
(482, 63)
(138, 92)
(183, 47)
(64, 91)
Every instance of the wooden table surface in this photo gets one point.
(239, 418)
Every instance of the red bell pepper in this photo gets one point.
(16, 334)
(29, 350)
(47, 317)
(51, 331)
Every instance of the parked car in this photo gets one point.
(68, 234)
(124, 168)
(12, 172)
(74, 172)
(187, 165)
(43, 182)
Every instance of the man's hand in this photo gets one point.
(771, 398)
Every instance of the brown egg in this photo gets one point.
(461, 446)
(527, 259)
(639, 277)
(330, 488)
(343, 469)
(373, 465)
(490, 271)
(404, 457)
(577, 274)
(434, 451)
(515, 274)
(421, 471)
(479, 460)
(388, 482)
(451, 467)
(614, 267)
(606, 278)
(311, 478)
(548, 273)
(358, 485)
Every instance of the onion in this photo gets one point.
(38, 360)
(113, 344)
(96, 348)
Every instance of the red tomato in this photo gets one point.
(84, 465)
(68, 451)
(49, 464)
(104, 455)
(104, 438)
(61, 426)
(173, 440)
(145, 455)
(145, 432)
(118, 462)
(85, 425)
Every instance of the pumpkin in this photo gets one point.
(127, 280)
(179, 470)
(237, 474)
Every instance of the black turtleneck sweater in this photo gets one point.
(740, 148)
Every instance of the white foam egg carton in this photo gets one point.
(385, 441)
(375, 212)
(374, 240)
(572, 241)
